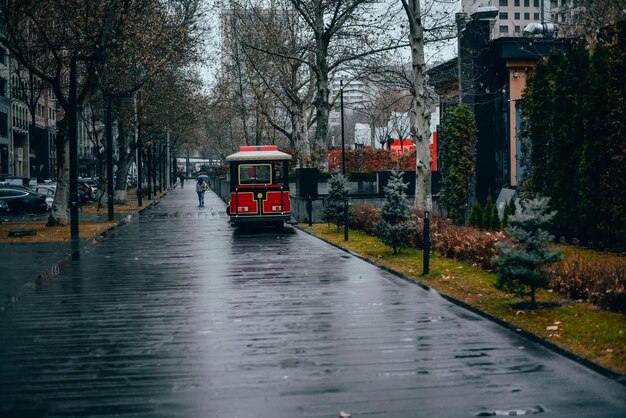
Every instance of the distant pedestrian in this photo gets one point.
(182, 180)
(201, 187)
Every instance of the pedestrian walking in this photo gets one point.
(201, 187)
(182, 180)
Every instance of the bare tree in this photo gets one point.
(310, 41)
(275, 87)
(586, 17)
(140, 37)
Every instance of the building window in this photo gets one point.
(526, 3)
(3, 87)
(536, 3)
(516, 3)
(518, 29)
(504, 2)
(527, 16)
(504, 16)
(518, 16)
(2, 56)
(504, 29)
(536, 16)
(4, 124)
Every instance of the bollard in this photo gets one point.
(426, 242)
(346, 220)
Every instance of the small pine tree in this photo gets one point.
(509, 210)
(488, 220)
(394, 226)
(519, 263)
(476, 218)
(495, 218)
(334, 204)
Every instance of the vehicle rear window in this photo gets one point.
(255, 174)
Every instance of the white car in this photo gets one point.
(48, 191)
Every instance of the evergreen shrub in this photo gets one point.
(334, 204)
(521, 258)
(476, 218)
(395, 226)
(491, 220)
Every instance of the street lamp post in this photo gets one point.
(139, 168)
(426, 260)
(73, 145)
(343, 167)
(139, 150)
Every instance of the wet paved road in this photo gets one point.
(178, 316)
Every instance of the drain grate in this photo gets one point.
(512, 412)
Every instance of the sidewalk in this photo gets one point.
(26, 264)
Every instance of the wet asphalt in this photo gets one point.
(176, 314)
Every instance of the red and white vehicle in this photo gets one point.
(259, 186)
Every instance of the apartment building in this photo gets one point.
(356, 94)
(6, 165)
(513, 15)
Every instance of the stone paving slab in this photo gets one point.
(177, 315)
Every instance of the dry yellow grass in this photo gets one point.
(97, 224)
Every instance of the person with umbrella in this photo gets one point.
(202, 186)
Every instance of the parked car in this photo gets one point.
(14, 186)
(47, 190)
(91, 182)
(4, 208)
(131, 182)
(23, 201)
(88, 191)
(14, 180)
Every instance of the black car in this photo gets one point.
(23, 201)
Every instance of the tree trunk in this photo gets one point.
(125, 154)
(420, 107)
(59, 214)
(322, 109)
(301, 135)
(322, 91)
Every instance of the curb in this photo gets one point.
(617, 377)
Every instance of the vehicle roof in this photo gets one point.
(258, 153)
(19, 189)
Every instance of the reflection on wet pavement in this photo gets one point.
(178, 315)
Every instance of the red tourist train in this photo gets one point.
(259, 186)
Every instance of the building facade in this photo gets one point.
(490, 76)
(515, 15)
